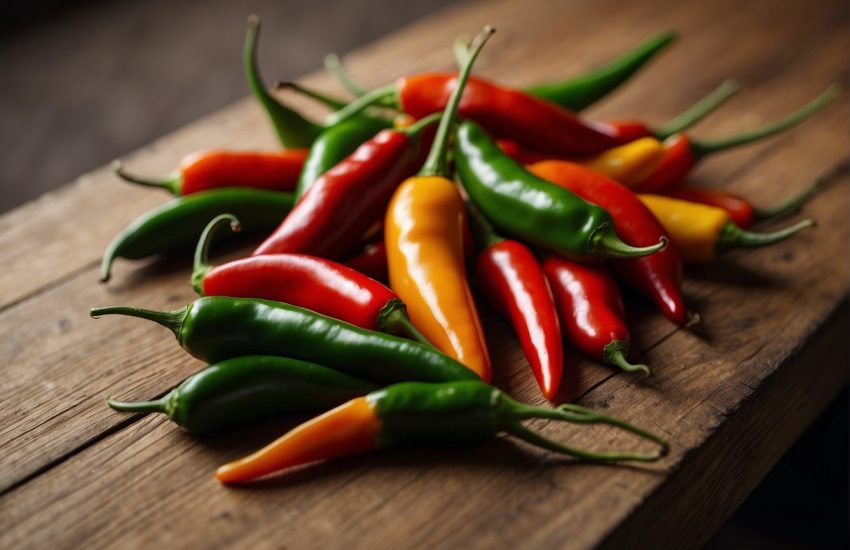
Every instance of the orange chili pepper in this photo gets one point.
(351, 428)
(423, 232)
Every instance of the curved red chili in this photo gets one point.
(317, 284)
(512, 280)
(333, 214)
(591, 310)
(658, 275)
(201, 171)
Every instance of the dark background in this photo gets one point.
(86, 82)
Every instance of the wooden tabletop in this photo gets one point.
(731, 395)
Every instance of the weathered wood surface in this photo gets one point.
(730, 396)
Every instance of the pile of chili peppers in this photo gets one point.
(452, 189)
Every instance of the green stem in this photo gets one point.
(417, 127)
(605, 242)
(172, 320)
(706, 147)
(393, 319)
(334, 66)
(173, 183)
(732, 236)
(615, 354)
(324, 99)
(436, 164)
(201, 265)
(516, 411)
(700, 109)
(793, 203)
(382, 96)
(293, 130)
(158, 405)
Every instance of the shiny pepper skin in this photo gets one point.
(424, 234)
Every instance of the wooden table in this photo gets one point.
(731, 395)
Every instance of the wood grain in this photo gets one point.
(76, 473)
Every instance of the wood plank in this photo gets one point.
(61, 364)
(542, 500)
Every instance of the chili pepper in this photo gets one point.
(701, 232)
(313, 283)
(177, 223)
(345, 201)
(522, 204)
(293, 130)
(580, 92)
(423, 232)
(512, 280)
(682, 152)
(215, 328)
(658, 275)
(740, 210)
(371, 260)
(412, 414)
(591, 311)
(207, 170)
(248, 389)
(575, 93)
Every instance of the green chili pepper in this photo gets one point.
(531, 208)
(246, 389)
(177, 223)
(412, 413)
(216, 328)
(580, 92)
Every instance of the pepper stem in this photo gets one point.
(706, 147)
(334, 65)
(700, 109)
(324, 99)
(791, 204)
(460, 47)
(436, 163)
(605, 242)
(201, 264)
(732, 236)
(417, 127)
(172, 320)
(393, 319)
(384, 96)
(157, 405)
(615, 354)
(293, 130)
(516, 411)
(173, 183)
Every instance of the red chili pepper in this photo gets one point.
(206, 170)
(591, 310)
(371, 260)
(317, 284)
(740, 210)
(658, 275)
(682, 152)
(513, 282)
(334, 213)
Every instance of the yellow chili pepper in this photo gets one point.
(701, 232)
(628, 164)
(423, 232)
